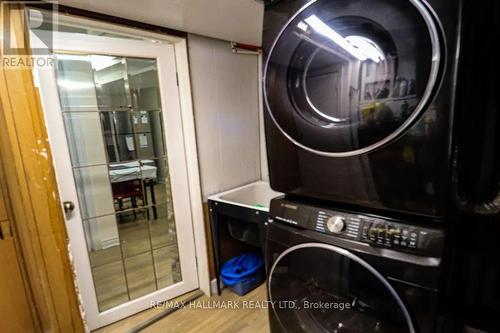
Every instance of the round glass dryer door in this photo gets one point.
(345, 77)
(322, 288)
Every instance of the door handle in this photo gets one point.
(69, 207)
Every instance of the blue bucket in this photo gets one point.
(243, 273)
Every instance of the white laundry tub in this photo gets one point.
(256, 196)
(242, 212)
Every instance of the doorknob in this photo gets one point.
(69, 206)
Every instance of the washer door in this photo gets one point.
(345, 77)
(322, 288)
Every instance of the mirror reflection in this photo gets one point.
(343, 78)
(359, 61)
(110, 78)
(114, 125)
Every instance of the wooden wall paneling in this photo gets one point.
(31, 188)
(3, 210)
(15, 309)
(211, 259)
(226, 111)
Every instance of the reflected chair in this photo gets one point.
(128, 190)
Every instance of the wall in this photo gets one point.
(32, 202)
(16, 302)
(226, 111)
(234, 20)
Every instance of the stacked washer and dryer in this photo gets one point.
(359, 99)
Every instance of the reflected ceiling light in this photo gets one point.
(75, 57)
(99, 62)
(367, 47)
(322, 28)
(302, 26)
(74, 85)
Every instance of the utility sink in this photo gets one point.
(254, 196)
(239, 214)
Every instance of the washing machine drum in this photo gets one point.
(345, 77)
(323, 288)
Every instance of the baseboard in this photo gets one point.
(213, 287)
(109, 242)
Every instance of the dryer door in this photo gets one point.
(345, 77)
(323, 288)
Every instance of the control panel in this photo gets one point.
(391, 234)
(369, 229)
(337, 223)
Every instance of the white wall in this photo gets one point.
(226, 111)
(234, 20)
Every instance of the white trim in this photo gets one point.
(115, 28)
(213, 287)
(199, 231)
(264, 171)
(218, 196)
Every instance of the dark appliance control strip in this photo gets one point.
(374, 230)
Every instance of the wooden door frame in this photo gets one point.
(31, 188)
(17, 300)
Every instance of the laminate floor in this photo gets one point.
(194, 319)
(144, 259)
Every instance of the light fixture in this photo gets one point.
(322, 28)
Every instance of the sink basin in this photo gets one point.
(255, 196)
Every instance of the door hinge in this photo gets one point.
(177, 78)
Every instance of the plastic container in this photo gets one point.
(243, 273)
(244, 231)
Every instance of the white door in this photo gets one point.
(114, 122)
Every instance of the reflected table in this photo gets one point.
(124, 179)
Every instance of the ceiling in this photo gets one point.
(233, 20)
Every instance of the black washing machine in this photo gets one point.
(339, 271)
(359, 97)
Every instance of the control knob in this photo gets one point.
(335, 224)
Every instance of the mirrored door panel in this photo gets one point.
(114, 126)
